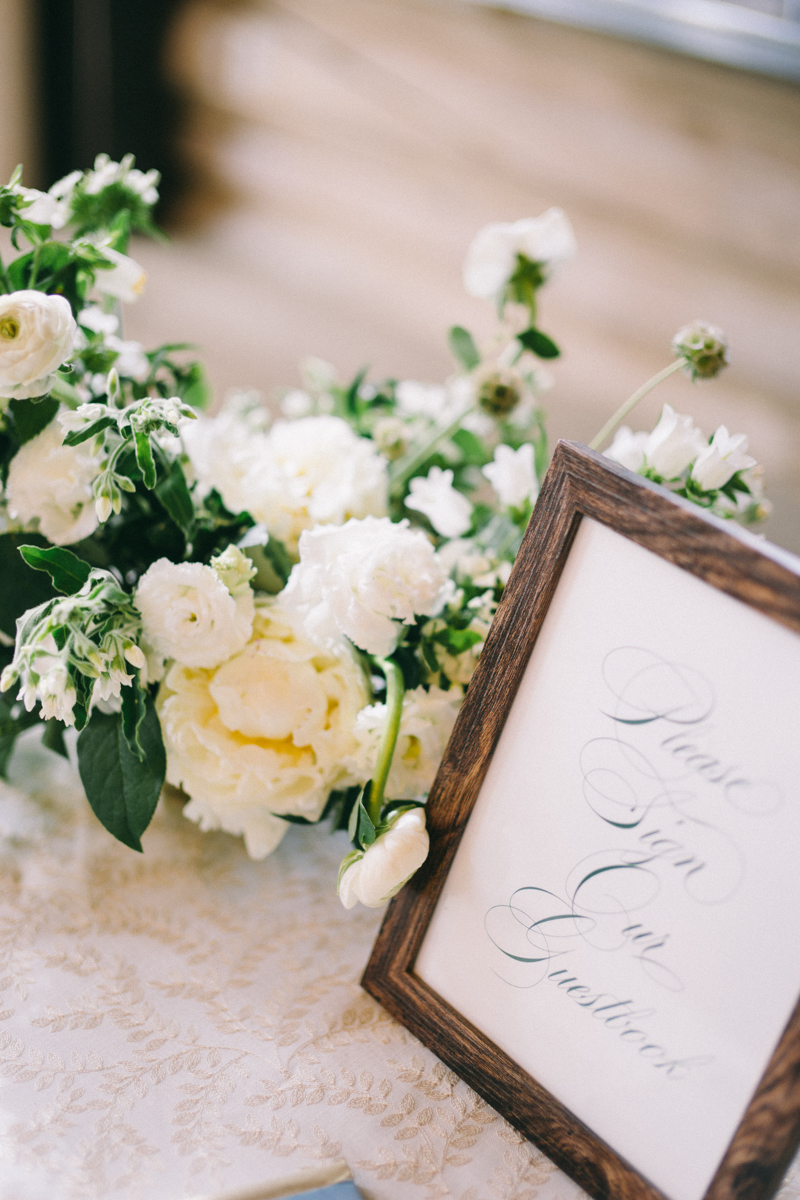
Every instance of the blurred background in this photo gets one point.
(327, 162)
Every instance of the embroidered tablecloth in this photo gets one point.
(187, 1020)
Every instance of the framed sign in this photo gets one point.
(605, 940)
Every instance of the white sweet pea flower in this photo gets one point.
(722, 458)
(51, 207)
(188, 614)
(449, 512)
(513, 475)
(365, 579)
(124, 279)
(37, 334)
(388, 863)
(492, 257)
(673, 445)
(52, 484)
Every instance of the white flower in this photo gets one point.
(492, 258)
(388, 863)
(53, 483)
(449, 512)
(674, 443)
(37, 333)
(51, 207)
(189, 615)
(297, 404)
(222, 450)
(124, 280)
(422, 400)
(267, 732)
(627, 448)
(513, 475)
(426, 722)
(721, 459)
(98, 321)
(363, 579)
(106, 173)
(132, 362)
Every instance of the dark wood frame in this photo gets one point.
(581, 483)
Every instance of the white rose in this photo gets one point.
(267, 732)
(52, 483)
(674, 443)
(37, 333)
(388, 863)
(627, 448)
(721, 459)
(513, 475)
(449, 512)
(363, 579)
(188, 613)
(426, 722)
(124, 280)
(492, 258)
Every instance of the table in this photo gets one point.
(187, 1020)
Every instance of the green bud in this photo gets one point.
(704, 347)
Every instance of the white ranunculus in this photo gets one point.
(188, 614)
(124, 280)
(673, 445)
(132, 362)
(388, 863)
(513, 475)
(426, 722)
(627, 448)
(365, 579)
(269, 731)
(492, 257)
(37, 333)
(448, 510)
(722, 458)
(52, 483)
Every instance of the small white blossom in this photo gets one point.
(52, 483)
(297, 404)
(37, 334)
(132, 362)
(491, 260)
(124, 279)
(365, 579)
(388, 863)
(627, 448)
(106, 172)
(426, 722)
(51, 207)
(449, 512)
(721, 459)
(513, 475)
(673, 445)
(98, 321)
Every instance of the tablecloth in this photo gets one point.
(188, 1020)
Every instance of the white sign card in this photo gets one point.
(622, 916)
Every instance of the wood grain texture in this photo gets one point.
(581, 483)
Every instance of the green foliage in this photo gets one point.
(173, 493)
(13, 720)
(68, 572)
(32, 416)
(361, 829)
(463, 347)
(538, 343)
(21, 587)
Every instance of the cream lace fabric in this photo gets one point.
(187, 1020)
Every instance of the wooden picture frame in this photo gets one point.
(582, 484)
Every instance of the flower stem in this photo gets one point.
(403, 469)
(612, 423)
(4, 278)
(395, 690)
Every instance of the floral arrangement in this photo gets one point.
(279, 616)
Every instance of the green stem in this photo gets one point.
(631, 403)
(404, 468)
(35, 265)
(395, 690)
(5, 278)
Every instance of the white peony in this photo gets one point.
(37, 333)
(627, 448)
(188, 614)
(364, 579)
(673, 445)
(426, 722)
(449, 512)
(124, 279)
(267, 732)
(492, 257)
(513, 475)
(52, 483)
(721, 459)
(391, 860)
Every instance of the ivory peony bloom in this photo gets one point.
(52, 484)
(721, 459)
(492, 257)
(268, 731)
(188, 614)
(364, 579)
(448, 510)
(37, 334)
(391, 860)
(513, 475)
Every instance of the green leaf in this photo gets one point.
(31, 417)
(68, 572)
(133, 711)
(539, 343)
(76, 436)
(173, 493)
(458, 640)
(20, 588)
(144, 459)
(53, 738)
(11, 727)
(473, 449)
(360, 829)
(463, 347)
(122, 790)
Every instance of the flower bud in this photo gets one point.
(499, 393)
(391, 437)
(704, 347)
(388, 863)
